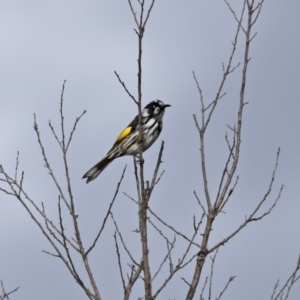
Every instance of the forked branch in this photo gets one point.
(251, 11)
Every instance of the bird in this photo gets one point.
(127, 143)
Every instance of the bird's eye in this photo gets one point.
(156, 110)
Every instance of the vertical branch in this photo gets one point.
(214, 209)
(71, 199)
(141, 22)
(238, 130)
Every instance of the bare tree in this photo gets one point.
(68, 245)
(67, 248)
(212, 207)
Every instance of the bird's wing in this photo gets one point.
(123, 134)
(127, 131)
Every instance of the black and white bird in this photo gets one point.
(127, 142)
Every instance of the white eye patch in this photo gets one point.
(156, 110)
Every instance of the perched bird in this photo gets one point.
(127, 142)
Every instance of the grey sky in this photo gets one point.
(84, 42)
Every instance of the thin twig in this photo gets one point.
(289, 282)
(158, 163)
(249, 219)
(131, 198)
(203, 288)
(182, 263)
(239, 21)
(124, 86)
(17, 166)
(73, 130)
(199, 202)
(107, 214)
(231, 278)
(213, 259)
(47, 164)
(230, 155)
(274, 289)
(54, 134)
(133, 13)
(65, 245)
(170, 246)
(119, 262)
(148, 13)
(122, 240)
(49, 223)
(132, 280)
(172, 228)
(5, 295)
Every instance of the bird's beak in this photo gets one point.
(166, 105)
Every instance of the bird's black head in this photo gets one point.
(155, 108)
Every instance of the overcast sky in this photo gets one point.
(45, 42)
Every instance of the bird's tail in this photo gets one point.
(97, 169)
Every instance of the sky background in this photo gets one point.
(44, 43)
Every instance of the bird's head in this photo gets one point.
(155, 109)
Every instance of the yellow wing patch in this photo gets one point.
(123, 134)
